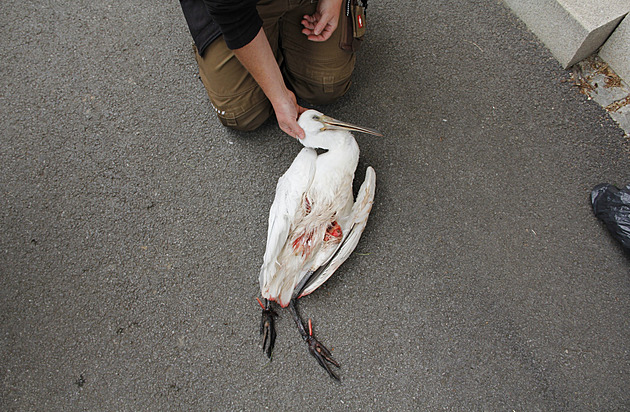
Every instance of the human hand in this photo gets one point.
(321, 25)
(287, 112)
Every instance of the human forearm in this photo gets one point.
(257, 57)
(259, 60)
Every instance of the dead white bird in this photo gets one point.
(314, 223)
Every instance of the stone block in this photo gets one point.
(616, 50)
(571, 29)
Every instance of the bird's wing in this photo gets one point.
(289, 191)
(358, 219)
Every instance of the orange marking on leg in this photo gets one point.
(310, 328)
(260, 303)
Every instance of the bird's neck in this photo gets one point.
(335, 140)
(342, 152)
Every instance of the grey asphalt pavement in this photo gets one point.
(133, 224)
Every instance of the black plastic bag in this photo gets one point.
(612, 206)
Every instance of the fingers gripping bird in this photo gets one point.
(314, 223)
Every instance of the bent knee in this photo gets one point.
(318, 93)
(321, 79)
(248, 120)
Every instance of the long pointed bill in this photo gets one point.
(334, 124)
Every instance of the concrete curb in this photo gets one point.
(574, 29)
(616, 51)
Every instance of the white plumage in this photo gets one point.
(313, 194)
(314, 222)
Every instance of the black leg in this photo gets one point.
(267, 327)
(319, 351)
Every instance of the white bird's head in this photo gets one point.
(323, 131)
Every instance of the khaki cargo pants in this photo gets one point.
(318, 72)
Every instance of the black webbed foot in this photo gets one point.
(319, 351)
(268, 327)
